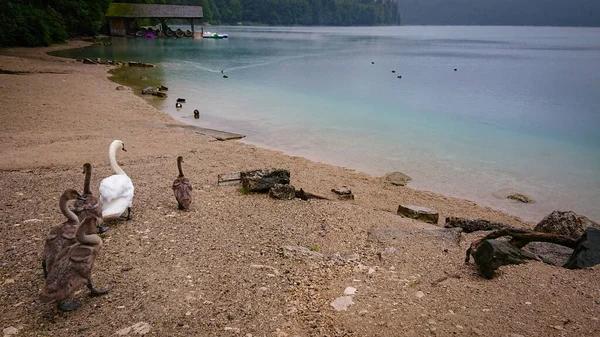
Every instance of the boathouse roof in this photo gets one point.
(128, 10)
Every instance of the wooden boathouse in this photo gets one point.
(122, 16)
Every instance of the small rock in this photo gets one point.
(349, 291)
(520, 198)
(342, 303)
(10, 331)
(477, 331)
(419, 294)
(397, 178)
(147, 90)
(343, 193)
(598, 301)
(9, 281)
(120, 88)
(558, 327)
(299, 253)
(126, 268)
(371, 271)
(419, 213)
(234, 330)
(431, 322)
(33, 220)
(88, 61)
(282, 192)
(140, 328)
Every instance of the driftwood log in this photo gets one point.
(520, 238)
(490, 254)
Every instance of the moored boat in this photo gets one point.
(214, 35)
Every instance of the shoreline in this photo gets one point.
(218, 268)
(128, 77)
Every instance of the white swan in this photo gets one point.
(116, 191)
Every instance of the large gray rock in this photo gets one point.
(565, 223)
(451, 235)
(419, 213)
(282, 192)
(492, 254)
(470, 225)
(397, 178)
(550, 253)
(587, 252)
(262, 180)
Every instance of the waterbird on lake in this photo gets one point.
(393, 71)
(455, 69)
(196, 114)
(178, 105)
(399, 76)
(372, 62)
(225, 76)
(181, 100)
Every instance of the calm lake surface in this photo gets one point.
(521, 112)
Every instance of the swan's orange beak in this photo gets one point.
(124, 149)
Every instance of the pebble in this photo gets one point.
(342, 303)
(528, 303)
(139, 328)
(234, 330)
(371, 271)
(350, 291)
(598, 301)
(32, 220)
(431, 322)
(11, 330)
(419, 294)
(477, 331)
(9, 281)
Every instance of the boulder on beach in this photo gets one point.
(397, 178)
(569, 224)
(492, 254)
(419, 213)
(263, 180)
(587, 252)
(282, 192)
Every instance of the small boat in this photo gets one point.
(141, 32)
(214, 35)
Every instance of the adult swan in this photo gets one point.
(116, 191)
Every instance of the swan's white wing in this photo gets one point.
(116, 194)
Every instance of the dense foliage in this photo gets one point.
(299, 12)
(43, 22)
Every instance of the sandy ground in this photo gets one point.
(218, 269)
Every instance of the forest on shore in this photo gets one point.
(44, 22)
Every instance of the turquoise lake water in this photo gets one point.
(522, 110)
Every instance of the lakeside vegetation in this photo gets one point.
(44, 22)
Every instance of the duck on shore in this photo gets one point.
(62, 235)
(91, 206)
(73, 268)
(182, 188)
